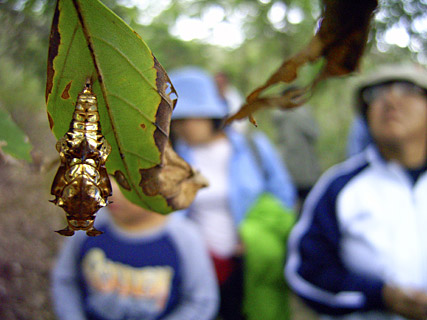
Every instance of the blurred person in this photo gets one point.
(359, 250)
(359, 137)
(297, 135)
(228, 92)
(225, 157)
(145, 266)
(232, 97)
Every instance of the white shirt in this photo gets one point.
(210, 209)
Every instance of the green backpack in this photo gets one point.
(264, 233)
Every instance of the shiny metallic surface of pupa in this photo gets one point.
(81, 185)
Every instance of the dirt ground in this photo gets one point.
(28, 244)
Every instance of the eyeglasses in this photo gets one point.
(399, 88)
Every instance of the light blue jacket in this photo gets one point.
(247, 179)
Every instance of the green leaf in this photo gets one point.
(133, 90)
(12, 139)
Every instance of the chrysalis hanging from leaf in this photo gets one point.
(81, 185)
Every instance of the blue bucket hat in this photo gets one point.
(198, 96)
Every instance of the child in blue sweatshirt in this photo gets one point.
(145, 266)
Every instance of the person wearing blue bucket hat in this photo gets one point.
(198, 96)
(225, 157)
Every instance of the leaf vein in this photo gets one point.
(61, 73)
(127, 60)
(140, 156)
(103, 88)
(135, 108)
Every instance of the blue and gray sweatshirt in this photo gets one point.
(158, 274)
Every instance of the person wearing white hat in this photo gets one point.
(359, 250)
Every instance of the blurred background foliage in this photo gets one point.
(248, 39)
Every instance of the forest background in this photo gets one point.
(248, 39)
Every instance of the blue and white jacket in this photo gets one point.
(363, 225)
(247, 179)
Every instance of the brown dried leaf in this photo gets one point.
(293, 98)
(341, 40)
(175, 180)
